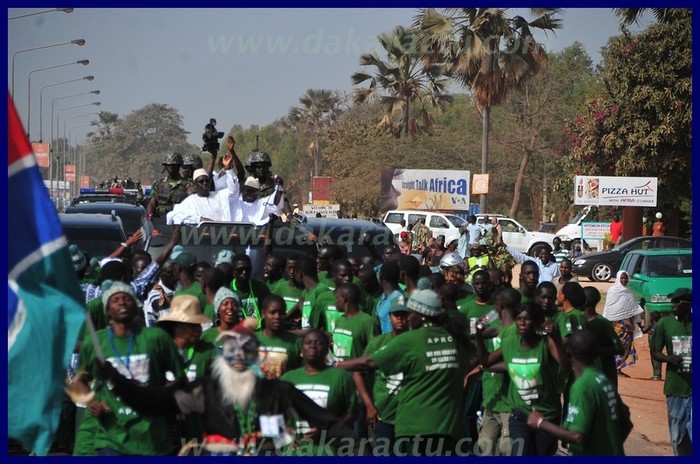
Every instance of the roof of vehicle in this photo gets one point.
(104, 207)
(662, 251)
(103, 198)
(90, 220)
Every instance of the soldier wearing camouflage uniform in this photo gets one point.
(191, 163)
(170, 190)
(258, 165)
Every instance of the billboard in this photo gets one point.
(329, 210)
(425, 189)
(321, 187)
(41, 151)
(70, 172)
(615, 191)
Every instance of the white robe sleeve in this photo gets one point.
(183, 213)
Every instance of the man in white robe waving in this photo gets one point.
(203, 205)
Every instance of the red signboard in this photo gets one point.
(84, 181)
(70, 172)
(41, 152)
(321, 188)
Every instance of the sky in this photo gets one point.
(239, 66)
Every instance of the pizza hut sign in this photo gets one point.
(615, 191)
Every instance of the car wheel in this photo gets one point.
(601, 272)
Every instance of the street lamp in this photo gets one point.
(94, 92)
(41, 99)
(65, 155)
(29, 88)
(78, 42)
(64, 10)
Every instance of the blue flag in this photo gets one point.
(43, 300)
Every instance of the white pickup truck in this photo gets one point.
(518, 237)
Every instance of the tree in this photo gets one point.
(319, 108)
(487, 52)
(138, 144)
(641, 126)
(402, 80)
(533, 120)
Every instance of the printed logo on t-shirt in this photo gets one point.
(441, 359)
(525, 375)
(342, 343)
(393, 383)
(319, 395)
(683, 346)
(273, 360)
(139, 367)
(305, 314)
(332, 316)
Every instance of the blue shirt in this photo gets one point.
(383, 309)
(547, 271)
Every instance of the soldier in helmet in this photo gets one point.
(170, 190)
(258, 165)
(190, 163)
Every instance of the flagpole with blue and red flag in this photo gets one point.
(43, 299)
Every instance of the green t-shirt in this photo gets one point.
(333, 389)
(210, 335)
(533, 374)
(99, 317)
(463, 298)
(433, 365)
(291, 295)
(195, 290)
(570, 322)
(312, 314)
(495, 384)
(326, 301)
(251, 296)
(677, 338)
(279, 354)
(607, 338)
(473, 310)
(386, 387)
(209, 311)
(595, 412)
(144, 357)
(351, 335)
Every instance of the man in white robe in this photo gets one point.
(245, 204)
(203, 205)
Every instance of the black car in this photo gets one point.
(207, 239)
(98, 235)
(602, 266)
(349, 234)
(133, 216)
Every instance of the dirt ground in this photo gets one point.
(644, 397)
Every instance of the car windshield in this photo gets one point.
(671, 266)
(96, 242)
(455, 220)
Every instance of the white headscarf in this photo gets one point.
(620, 302)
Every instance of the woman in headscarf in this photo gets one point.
(623, 310)
(228, 312)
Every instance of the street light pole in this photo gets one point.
(64, 10)
(41, 99)
(29, 89)
(66, 152)
(95, 92)
(78, 42)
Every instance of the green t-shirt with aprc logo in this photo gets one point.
(145, 358)
(433, 365)
(351, 335)
(533, 375)
(385, 387)
(677, 338)
(594, 411)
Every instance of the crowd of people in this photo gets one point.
(426, 348)
(384, 355)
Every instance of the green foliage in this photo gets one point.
(641, 126)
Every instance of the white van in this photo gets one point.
(440, 223)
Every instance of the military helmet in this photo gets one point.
(192, 160)
(258, 157)
(173, 157)
(452, 259)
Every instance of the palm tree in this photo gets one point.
(630, 16)
(487, 52)
(318, 109)
(107, 124)
(404, 79)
